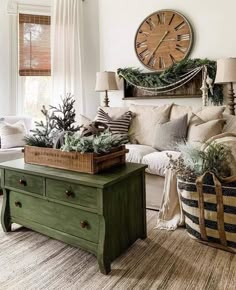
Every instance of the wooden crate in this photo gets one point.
(88, 162)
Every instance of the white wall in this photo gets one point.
(213, 22)
(5, 107)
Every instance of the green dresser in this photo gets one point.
(103, 214)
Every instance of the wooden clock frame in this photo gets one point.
(186, 53)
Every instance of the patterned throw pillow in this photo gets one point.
(117, 126)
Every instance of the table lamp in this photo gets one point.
(106, 81)
(226, 74)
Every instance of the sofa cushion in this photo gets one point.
(199, 132)
(11, 154)
(119, 125)
(169, 134)
(12, 135)
(27, 120)
(136, 152)
(145, 120)
(210, 113)
(178, 111)
(158, 161)
(230, 125)
(114, 112)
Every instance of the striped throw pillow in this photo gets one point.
(117, 126)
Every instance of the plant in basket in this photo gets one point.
(207, 189)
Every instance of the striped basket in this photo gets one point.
(210, 210)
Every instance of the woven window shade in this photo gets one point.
(34, 45)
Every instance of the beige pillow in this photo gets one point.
(178, 111)
(210, 113)
(168, 135)
(12, 135)
(200, 132)
(83, 120)
(230, 124)
(144, 123)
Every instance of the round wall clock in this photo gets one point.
(163, 38)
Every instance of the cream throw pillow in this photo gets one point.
(144, 123)
(168, 135)
(230, 126)
(210, 113)
(199, 132)
(12, 135)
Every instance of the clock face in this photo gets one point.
(164, 38)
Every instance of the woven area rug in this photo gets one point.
(165, 260)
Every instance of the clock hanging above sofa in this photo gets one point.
(163, 38)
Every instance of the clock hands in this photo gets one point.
(159, 43)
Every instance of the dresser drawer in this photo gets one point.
(65, 219)
(26, 182)
(72, 193)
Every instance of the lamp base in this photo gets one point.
(106, 100)
(231, 102)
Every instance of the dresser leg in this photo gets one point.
(104, 266)
(5, 215)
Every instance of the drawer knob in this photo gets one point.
(69, 193)
(22, 182)
(18, 204)
(83, 224)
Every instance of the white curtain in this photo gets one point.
(67, 51)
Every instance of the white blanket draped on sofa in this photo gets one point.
(171, 214)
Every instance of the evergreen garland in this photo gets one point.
(102, 143)
(172, 75)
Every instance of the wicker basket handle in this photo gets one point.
(220, 208)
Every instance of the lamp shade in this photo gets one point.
(106, 81)
(226, 71)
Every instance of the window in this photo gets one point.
(34, 63)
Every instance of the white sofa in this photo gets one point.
(14, 153)
(157, 161)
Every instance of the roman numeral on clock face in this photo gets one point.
(145, 53)
(161, 18)
(172, 59)
(151, 24)
(181, 48)
(141, 44)
(183, 37)
(144, 32)
(172, 18)
(161, 62)
(152, 61)
(179, 26)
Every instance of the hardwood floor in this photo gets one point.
(165, 260)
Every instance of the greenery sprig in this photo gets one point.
(57, 121)
(42, 135)
(99, 144)
(194, 161)
(172, 75)
(64, 115)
